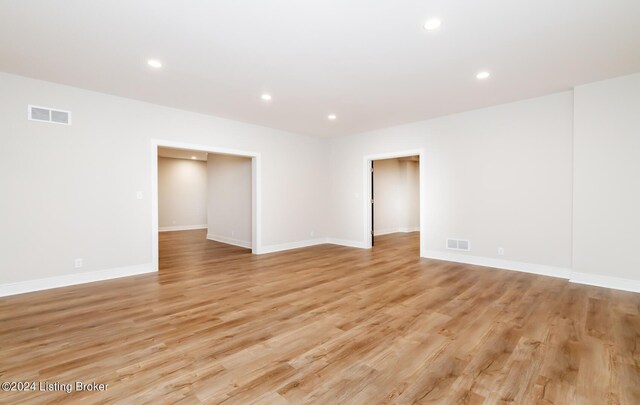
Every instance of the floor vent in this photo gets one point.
(44, 114)
(458, 244)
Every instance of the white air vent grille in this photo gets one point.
(458, 244)
(45, 114)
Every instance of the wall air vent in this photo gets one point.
(45, 114)
(458, 244)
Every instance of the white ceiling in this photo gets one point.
(369, 62)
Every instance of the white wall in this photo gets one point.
(182, 193)
(73, 188)
(413, 195)
(229, 199)
(396, 195)
(500, 177)
(606, 198)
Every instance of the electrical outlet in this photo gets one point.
(139, 195)
(501, 251)
(233, 233)
(312, 233)
(78, 263)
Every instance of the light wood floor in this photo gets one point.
(326, 324)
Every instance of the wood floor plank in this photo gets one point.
(326, 324)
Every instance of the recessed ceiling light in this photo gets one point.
(332, 117)
(154, 63)
(432, 24)
(483, 75)
(266, 97)
(193, 157)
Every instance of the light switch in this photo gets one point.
(139, 195)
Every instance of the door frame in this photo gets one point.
(256, 195)
(366, 193)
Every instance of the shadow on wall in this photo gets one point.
(229, 199)
(396, 195)
(182, 194)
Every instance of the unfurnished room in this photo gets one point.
(327, 202)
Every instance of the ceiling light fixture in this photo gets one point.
(432, 24)
(193, 157)
(266, 97)
(154, 63)
(483, 75)
(332, 117)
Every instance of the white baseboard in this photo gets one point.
(311, 242)
(291, 245)
(181, 228)
(615, 283)
(500, 264)
(229, 241)
(108, 274)
(396, 230)
(73, 279)
(596, 280)
(349, 243)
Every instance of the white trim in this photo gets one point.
(73, 279)
(108, 274)
(349, 243)
(229, 241)
(399, 229)
(182, 228)
(292, 245)
(366, 193)
(540, 269)
(597, 280)
(314, 242)
(256, 203)
(256, 187)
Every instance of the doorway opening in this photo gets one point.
(394, 203)
(204, 193)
